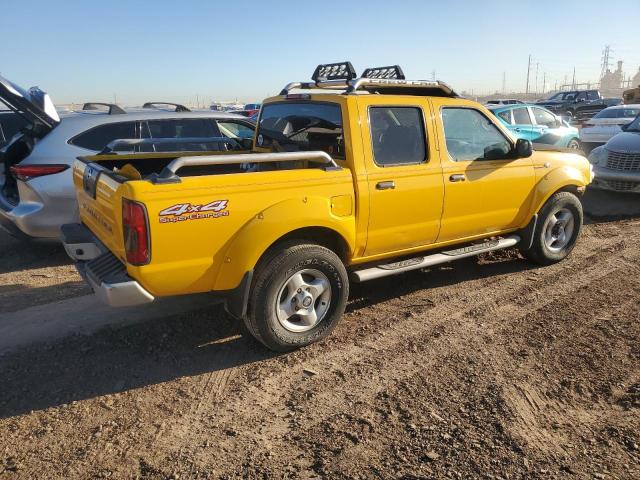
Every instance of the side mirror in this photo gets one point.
(580, 100)
(625, 126)
(524, 148)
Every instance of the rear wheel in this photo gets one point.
(298, 296)
(557, 230)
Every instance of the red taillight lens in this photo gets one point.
(136, 232)
(27, 172)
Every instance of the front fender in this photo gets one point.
(271, 224)
(558, 179)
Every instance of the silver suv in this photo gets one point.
(36, 190)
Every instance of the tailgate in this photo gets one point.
(99, 194)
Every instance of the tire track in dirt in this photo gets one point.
(589, 271)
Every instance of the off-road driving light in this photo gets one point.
(135, 227)
(392, 71)
(27, 172)
(334, 71)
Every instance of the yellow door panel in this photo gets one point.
(405, 183)
(483, 194)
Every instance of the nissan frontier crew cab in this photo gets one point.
(349, 179)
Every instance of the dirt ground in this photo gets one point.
(486, 368)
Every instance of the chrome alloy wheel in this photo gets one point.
(559, 230)
(303, 300)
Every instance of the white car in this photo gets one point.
(605, 124)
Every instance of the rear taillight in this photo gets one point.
(135, 227)
(27, 172)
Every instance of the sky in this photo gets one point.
(188, 50)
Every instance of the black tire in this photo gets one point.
(574, 144)
(272, 275)
(541, 251)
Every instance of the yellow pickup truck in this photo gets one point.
(349, 179)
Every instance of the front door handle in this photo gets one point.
(388, 185)
(458, 177)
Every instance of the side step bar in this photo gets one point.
(446, 256)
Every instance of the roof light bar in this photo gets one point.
(334, 71)
(392, 71)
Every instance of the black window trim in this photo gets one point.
(468, 107)
(427, 158)
(136, 129)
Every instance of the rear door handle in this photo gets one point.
(388, 185)
(458, 177)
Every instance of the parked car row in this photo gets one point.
(36, 190)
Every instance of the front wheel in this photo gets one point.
(298, 296)
(557, 230)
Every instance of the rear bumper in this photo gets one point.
(102, 270)
(37, 215)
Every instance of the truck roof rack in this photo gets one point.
(388, 80)
(113, 108)
(179, 107)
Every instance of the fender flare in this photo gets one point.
(554, 181)
(271, 224)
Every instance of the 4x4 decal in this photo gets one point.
(188, 211)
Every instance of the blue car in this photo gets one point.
(537, 125)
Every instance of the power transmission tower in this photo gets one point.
(606, 55)
(433, 75)
(528, 71)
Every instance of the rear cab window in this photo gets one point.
(293, 126)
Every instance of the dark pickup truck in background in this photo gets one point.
(575, 105)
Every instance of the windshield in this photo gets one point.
(563, 96)
(297, 126)
(634, 126)
(618, 113)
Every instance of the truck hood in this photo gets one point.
(34, 105)
(624, 142)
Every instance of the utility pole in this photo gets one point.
(504, 82)
(528, 71)
(537, 65)
(573, 82)
(544, 83)
(606, 55)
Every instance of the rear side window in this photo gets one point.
(618, 113)
(181, 128)
(521, 116)
(99, 137)
(397, 135)
(472, 136)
